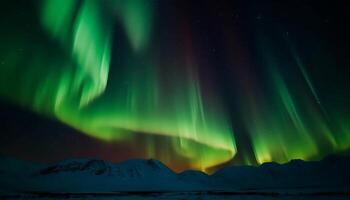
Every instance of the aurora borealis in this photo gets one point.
(195, 85)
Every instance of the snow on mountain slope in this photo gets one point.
(137, 169)
(93, 175)
(96, 167)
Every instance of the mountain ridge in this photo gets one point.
(96, 175)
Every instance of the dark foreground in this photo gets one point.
(203, 195)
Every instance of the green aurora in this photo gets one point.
(79, 68)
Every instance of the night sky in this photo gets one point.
(195, 84)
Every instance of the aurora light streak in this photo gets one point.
(112, 71)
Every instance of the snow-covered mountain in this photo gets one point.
(333, 171)
(93, 175)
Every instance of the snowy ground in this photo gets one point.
(185, 195)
